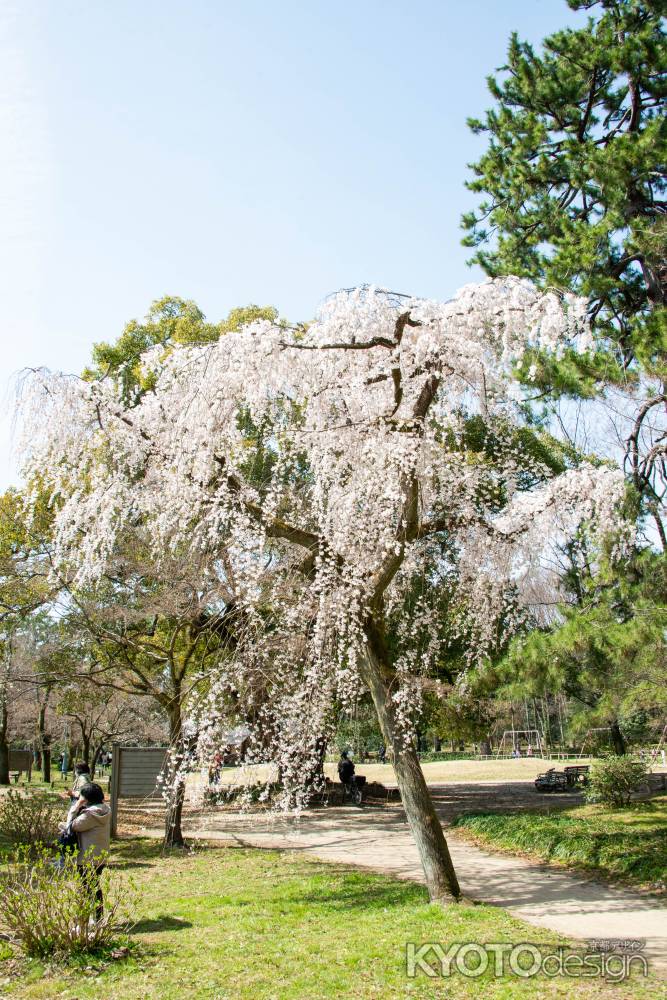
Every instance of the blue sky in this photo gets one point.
(269, 151)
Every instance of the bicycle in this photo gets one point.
(354, 789)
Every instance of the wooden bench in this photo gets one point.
(551, 781)
(577, 774)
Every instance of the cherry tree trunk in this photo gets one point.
(175, 784)
(173, 831)
(441, 880)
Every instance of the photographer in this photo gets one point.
(91, 822)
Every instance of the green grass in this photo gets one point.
(36, 784)
(223, 923)
(630, 844)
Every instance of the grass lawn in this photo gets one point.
(623, 843)
(435, 772)
(223, 923)
(443, 772)
(57, 784)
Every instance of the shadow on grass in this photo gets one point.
(162, 923)
(124, 865)
(353, 894)
(136, 852)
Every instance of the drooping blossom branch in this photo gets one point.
(322, 463)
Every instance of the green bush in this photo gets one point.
(30, 819)
(50, 911)
(612, 780)
(260, 791)
(630, 843)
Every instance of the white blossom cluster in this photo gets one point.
(323, 461)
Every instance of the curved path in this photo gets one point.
(379, 838)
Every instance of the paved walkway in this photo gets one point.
(379, 838)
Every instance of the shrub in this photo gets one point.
(612, 780)
(30, 819)
(49, 910)
(260, 791)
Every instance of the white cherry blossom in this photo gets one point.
(325, 461)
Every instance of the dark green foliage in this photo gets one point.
(358, 731)
(261, 791)
(636, 727)
(607, 649)
(632, 844)
(572, 185)
(457, 716)
(573, 178)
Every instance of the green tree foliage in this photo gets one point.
(169, 321)
(24, 587)
(457, 716)
(607, 652)
(25, 590)
(572, 187)
(573, 178)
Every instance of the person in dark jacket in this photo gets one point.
(345, 769)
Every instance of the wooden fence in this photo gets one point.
(20, 761)
(134, 775)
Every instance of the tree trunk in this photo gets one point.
(424, 824)
(46, 757)
(44, 741)
(618, 742)
(174, 780)
(85, 753)
(94, 758)
(4, 745)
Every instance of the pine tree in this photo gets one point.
(573, 178)
(573, 188)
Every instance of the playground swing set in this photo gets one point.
(521, 742)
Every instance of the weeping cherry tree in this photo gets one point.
(389, 435)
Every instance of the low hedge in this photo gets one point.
(630, 843)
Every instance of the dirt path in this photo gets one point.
(379, 838)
